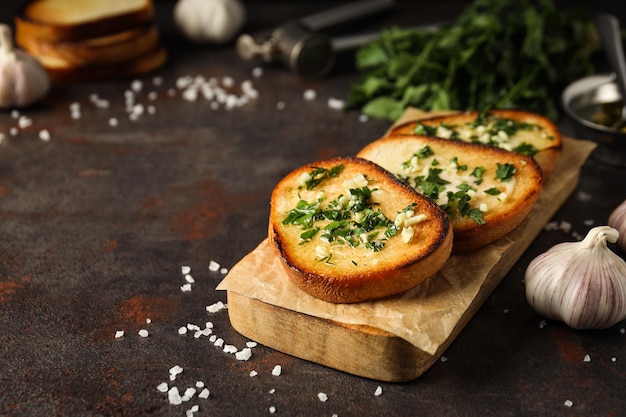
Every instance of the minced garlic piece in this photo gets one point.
(407, 234)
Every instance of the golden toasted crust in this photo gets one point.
(63, 71)
(546, 138)
(502, 210)
(343, 273)
(75, 20)
(110, 49)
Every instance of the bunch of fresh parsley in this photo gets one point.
(496, 54)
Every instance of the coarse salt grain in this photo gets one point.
(253, 373)
(613, 359)
(277, 370)
(148, 320)
(185, 287)
(188, 394)
(182, 330)
(444, 359)
(113, 122)
(379, 391)
(24, 122)
(13, 131)
(622, 330)
(175, 371)
(2, 137)
(257, 72)
(244, 354)
(189, 279)
(230, 349)
(119, 333)
(568, 403)
(322, 397)
(309, 94)
(336, 104)
(162, 387)
(223, 271)
(185, 269)
(204, 394)
(136, 86)
(280, 105)
(543, 324)
(273, 390)
(15, 114)
(363, 118)
(251, 344)
(173, 396)
(157, 81)
(214, 266)
(587, 358)
(143, 333)
(272, 409)
(219, 342)
(214, 308)
(44, 135)
(199, 384)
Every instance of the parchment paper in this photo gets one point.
(427, 315)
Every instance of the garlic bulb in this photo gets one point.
(581, 283)
(22, 78)
(210, 21)
(617, 220)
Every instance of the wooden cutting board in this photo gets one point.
(370, 351)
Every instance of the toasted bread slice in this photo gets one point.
(110, 49)
(514, 130)
(64, 71)
(384, 237)
(75, 20)
(486, 191)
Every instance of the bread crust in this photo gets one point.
(500, 217)
(547, 140)
(110, 49)
(37, 19)
(62, 71)
(356, 274)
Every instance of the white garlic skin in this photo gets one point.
(580, 283)
(23, 80)
(617, 220)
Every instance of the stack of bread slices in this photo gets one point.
(381, 222)
(90, 39)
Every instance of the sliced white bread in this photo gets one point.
(486, 191)
(347, 231)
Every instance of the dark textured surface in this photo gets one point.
(96, 223)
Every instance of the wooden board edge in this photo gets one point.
(357, 350)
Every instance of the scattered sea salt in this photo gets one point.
(143, 333)
(363, 118)
(444, 359)
(622, 330)
(230, 349)
(223, 271)
(335, 103)
(214, 266)
(136, 86)
(280, 105)
(613, 359)
(277, 370)
(185, 287)
(204, 394)
(253, 373)
(568, 403)
(251, 344)
(219, 342)
(199, 384)
(13, 131)
(379, 391)
(322, 397)
(587, 358)
(175, 371)
(189, 279)
(188, 394)
(119, 333)
(273, 390)
(309, 94)
(257, 72)
(244, 354)
(543, 324)
(174, 397)
(162, 387)
(214, 308)
(157, 81)
(15, 114)
(272, 409)
(113, 122)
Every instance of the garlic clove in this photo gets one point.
(580, 283)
